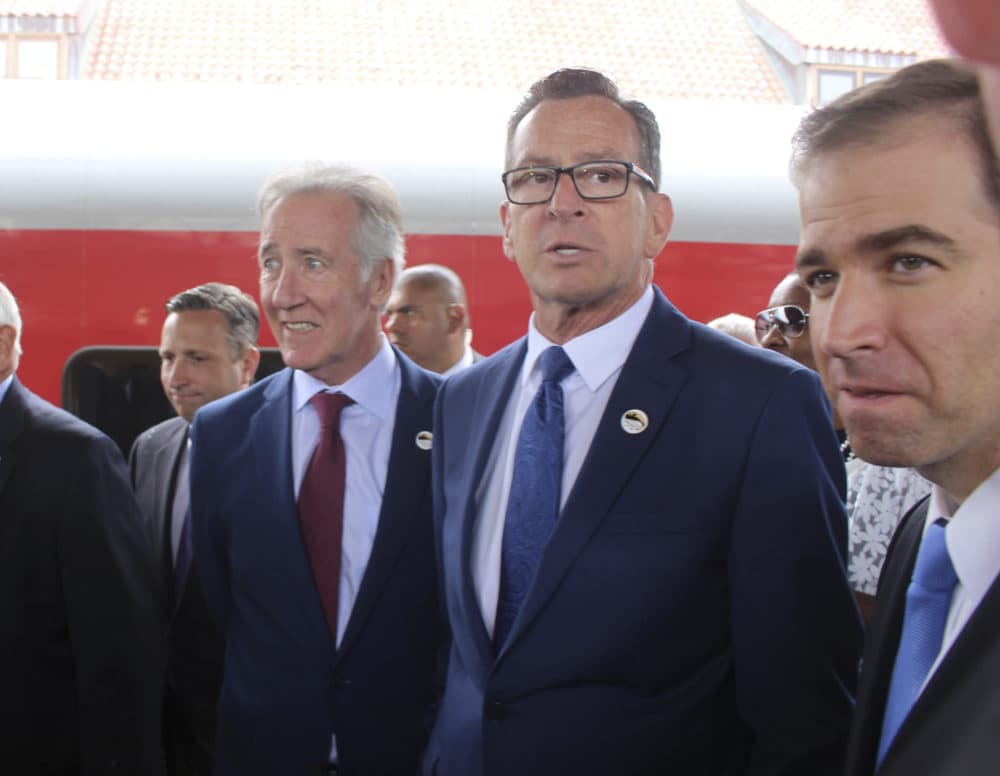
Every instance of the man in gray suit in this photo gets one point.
(899, 191)
(208, 349)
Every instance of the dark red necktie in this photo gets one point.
(321, 503)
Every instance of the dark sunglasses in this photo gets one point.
(789, 318)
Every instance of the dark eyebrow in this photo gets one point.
(589, 156)
(878, 242)
(883, 241)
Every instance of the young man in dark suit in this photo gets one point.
(311, 503)
(81, 641)
(642, 574)
(208, 349)
(899, 191)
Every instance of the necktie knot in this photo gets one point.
(556, 365)
(329, 406)
(933, 569)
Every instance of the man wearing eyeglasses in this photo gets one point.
(899, 195)
(642, 575)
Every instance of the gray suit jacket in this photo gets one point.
(195, 644)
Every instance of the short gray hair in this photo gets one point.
(238, 308)
(11, 316)
(379, 233)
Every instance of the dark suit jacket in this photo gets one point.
(286, 688)
(80, 643)
(953, 728)
(691, 613)
(195, 644)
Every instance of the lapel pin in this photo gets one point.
(635, 421)
(424, 440)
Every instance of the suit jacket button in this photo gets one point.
(495, 710)
(339, 681)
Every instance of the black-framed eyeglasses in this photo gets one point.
(599, 179)
(789, 318)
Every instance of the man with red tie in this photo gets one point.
(311, 504)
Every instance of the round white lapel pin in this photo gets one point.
(635, 421)
(424, 440)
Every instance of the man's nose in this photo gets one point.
(286, 291)
(773, 340)
(850, 319)
(565, 198)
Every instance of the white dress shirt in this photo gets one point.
(598, 357)
(463, 363)
(366, 428)
(5, 385)
(973, 541)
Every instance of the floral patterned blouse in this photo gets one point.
(877, 499)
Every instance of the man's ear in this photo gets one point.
(661, 220)
(248, 366)
(508, 247)
(381, 281)
(8, 336)
(456, 317)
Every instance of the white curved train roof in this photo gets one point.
(103, 155)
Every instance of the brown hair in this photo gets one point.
(934, 87)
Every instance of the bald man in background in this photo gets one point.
(427, 318)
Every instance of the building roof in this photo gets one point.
(653, 48)
(39, 7)
(883, 26)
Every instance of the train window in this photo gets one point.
(118, 389)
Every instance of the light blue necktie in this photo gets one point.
(533, 505)
(928, 600)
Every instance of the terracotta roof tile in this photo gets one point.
(653, 48)
(888, 26)
(40, 8)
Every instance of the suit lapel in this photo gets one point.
(404, 500)
(164, 462)
(499, 375)
(12, 416)
(976, 639)
(273, 490)
(883, 641)
(650, 382)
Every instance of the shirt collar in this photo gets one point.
(973, 534)
(462, 363)
(598, 353)
(371, 388)
(5, 385)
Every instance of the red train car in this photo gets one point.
(114, 196)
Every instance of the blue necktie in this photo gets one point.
(928, 600)
(533, 505)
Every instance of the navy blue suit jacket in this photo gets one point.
(691, 613)
(286, 688)
(81, 642)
